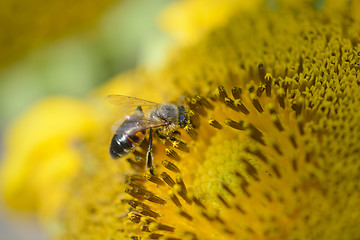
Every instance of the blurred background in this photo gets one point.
(62, 47)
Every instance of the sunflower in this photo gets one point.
(272, 148)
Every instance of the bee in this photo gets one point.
(163, 118)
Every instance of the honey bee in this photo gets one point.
(164, 118)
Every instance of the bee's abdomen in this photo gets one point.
(122, 144)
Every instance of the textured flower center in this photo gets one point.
(273, 145)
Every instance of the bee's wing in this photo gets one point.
(142, 122)
(130, 103)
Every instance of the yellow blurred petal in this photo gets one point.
(40, 151)
(356, 9)
(149, 86)
(51, 181)
(189, 20)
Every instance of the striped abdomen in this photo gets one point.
(129, 135)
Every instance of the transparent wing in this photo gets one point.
(127, 105)
(141, 122)
(122, 100)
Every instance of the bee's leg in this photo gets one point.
(149, 158)
(172, 139)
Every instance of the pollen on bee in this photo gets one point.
(139, 135)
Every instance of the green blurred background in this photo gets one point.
(53, 47)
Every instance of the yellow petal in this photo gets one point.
(189, 20)
(40, 152)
